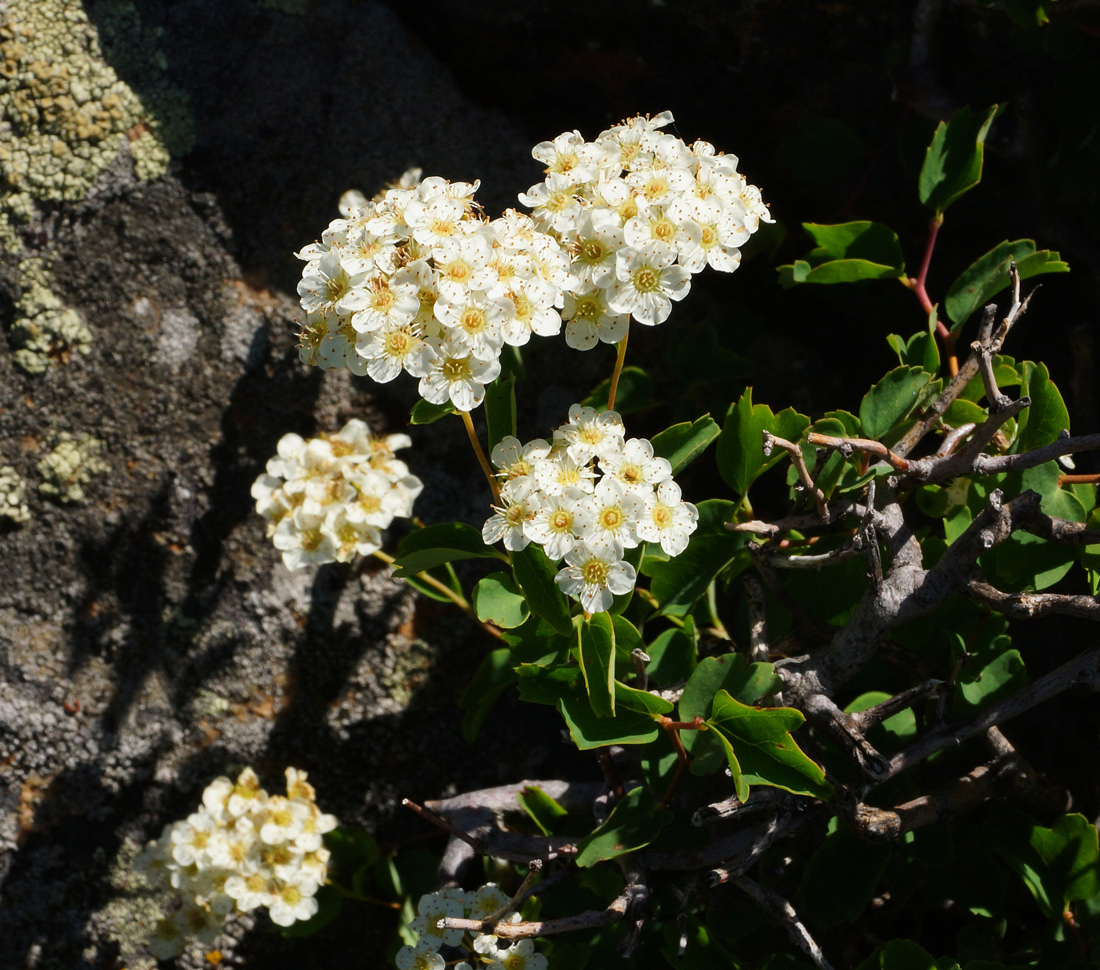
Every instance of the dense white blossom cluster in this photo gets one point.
(484, 950)
(327, 499)
(639, 212)
(241, 850)
(587, 498)
(418, 281)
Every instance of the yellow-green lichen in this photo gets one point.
(44, 329)
(73, 89)
(70, 466)
(13, 496)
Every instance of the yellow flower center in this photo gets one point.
(398, 343)
(631, 474)
(611, 518)
(646, 279)
(561, 521)
(594, 572)
(474, 320)
(662, 516)
(456, 369)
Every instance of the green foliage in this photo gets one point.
(847, 253)
(500, 409)
(989, 275)
(1059, 865)
(497, 600)
(683, 443)
(841, 877)
(953, 162)
(760, 749)
(741, 458)
(635, 392)
(634, 822)
(424, 412)
(437, 545)
(535, 577)
(892, 400)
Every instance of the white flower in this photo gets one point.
(559, 473)
(554, 203)
(667, 519)
(533, 311)
(483, 902)
(388, 305)
(423, 956)
(590, 433)
(636, 468)
(597, 240)
(330, 287)
(431, 909)
(293, 902)
(457, 375)
(519, 503)
(520, 955)
(589, 321)
(647, 281)
(608, 518)
(515, 460)
(595, 576)
(285, 820)
(475, 324)
(552, 527)
(189, 839)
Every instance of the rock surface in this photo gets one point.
(150, 638)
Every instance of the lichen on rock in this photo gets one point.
(13, 496)
(70, 466)
(44, 330)
(65, 111)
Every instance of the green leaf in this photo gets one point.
(672, 655)
(677, 583)
(493, 677)
(840, 878)
(596, 654)
(990, 671)
(761, 751)
(498, 600)
(906, 955)
(849, 252)
(920, 350)
(743, 681)
(535, 575)
(891, 400)
(634, 822)
(564, 688)
(635, 392)
(740, 446)
(1059, 865)
(989, 274)
(500, 409)
(1025, 561)
(424, 412)
(953, 162)
(438, 544)
(589, 731)
(542, 809)
(902, 725)
(683, 443)
(1047, 416)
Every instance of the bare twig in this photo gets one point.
(549, 927)
(758, 619)
(1084, 668)
(1028, 606)
(772, 441)
(849, 446)
(865, 720)
(784, 913)
(760, 800)
(534, 868)
(846, 729)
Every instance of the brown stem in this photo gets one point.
(480, 452)
(620, 357)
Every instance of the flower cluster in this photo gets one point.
(484, 949)
(417, 280)
(587, 498)
(241, 850)
(639, 211)
(328, 498)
